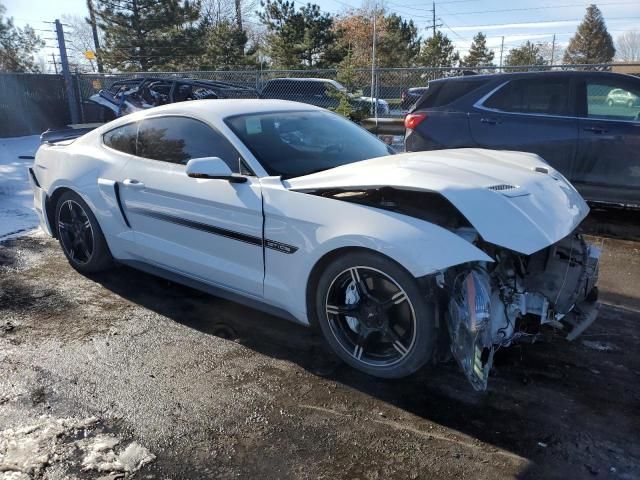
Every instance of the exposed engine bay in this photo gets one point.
(494, 305)
(491, 305)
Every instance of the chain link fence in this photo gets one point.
(390, 90)
(382, 92)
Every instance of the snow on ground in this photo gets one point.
(25, 452)
(16, 199)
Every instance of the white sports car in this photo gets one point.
(298, 211)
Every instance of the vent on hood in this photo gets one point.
(502, 187)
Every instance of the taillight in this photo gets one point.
(412, 120)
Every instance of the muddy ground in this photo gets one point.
(207, 388)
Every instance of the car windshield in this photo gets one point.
(292, 144)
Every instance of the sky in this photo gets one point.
(515, 20)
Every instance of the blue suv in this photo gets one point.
(568, 118)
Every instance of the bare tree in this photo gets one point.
(237, 11)
(79, 39)
(628, 47)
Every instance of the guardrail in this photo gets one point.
(384, 126)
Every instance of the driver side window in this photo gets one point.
(179, 139)
(609, 101)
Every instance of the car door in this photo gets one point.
(530, 114)
(608, 161)
(207, 229)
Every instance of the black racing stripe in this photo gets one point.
(200, 226)
(242, 237)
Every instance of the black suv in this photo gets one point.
(568, 118)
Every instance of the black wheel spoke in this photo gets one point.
(342, 309)
(361, 343)
(396, 341)
(396, 299)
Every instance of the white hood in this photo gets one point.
(501, 194)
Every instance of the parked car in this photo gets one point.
(619, 96)
(301, 212)
(321, 92)
(411, 95)
(571, 119)
(130, 95)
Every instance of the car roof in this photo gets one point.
(517, 75)
(216, 109)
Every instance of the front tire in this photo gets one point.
(374, 316)
(80, 236)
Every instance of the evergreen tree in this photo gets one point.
(150, 34)
(225, 47)
(438, 51)
(399, 44)
(297, 38)
(526, 54)
(592, 43)
(479, 55)
(17, 46)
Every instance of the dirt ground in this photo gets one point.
(124, 374)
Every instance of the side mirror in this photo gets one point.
(213, 168)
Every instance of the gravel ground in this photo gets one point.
(127, 375)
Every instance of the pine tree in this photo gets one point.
(592, 43)
(150, 34)
(479, 55)
(438, 51)
(225, 47)
(17, 46)
(526, 54)
(399, 44)
(297, 38)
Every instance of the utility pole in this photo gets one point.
(55, 64)
(553, 48)
(94, 30)
(501, 50)
(374, 99)
(434, 19)
(66, 73)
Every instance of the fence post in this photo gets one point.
(66, 73)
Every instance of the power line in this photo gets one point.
(480, 12)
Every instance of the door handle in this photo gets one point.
(489, 121)
(132, 183)
(596, 130)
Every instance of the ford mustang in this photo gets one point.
(303, 214)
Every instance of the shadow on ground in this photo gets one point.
(569, 408)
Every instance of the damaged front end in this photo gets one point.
(494, 305)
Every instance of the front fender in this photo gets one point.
(317, 226)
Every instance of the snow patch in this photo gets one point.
(27, 451)
(16, 199)
(102, 457)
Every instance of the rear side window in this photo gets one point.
(179, 139)
(122, 138)
(443, 93)
(550, 97)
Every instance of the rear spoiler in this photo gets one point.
(71, 132)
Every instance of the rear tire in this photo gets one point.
(80, 235)
(374, 316)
